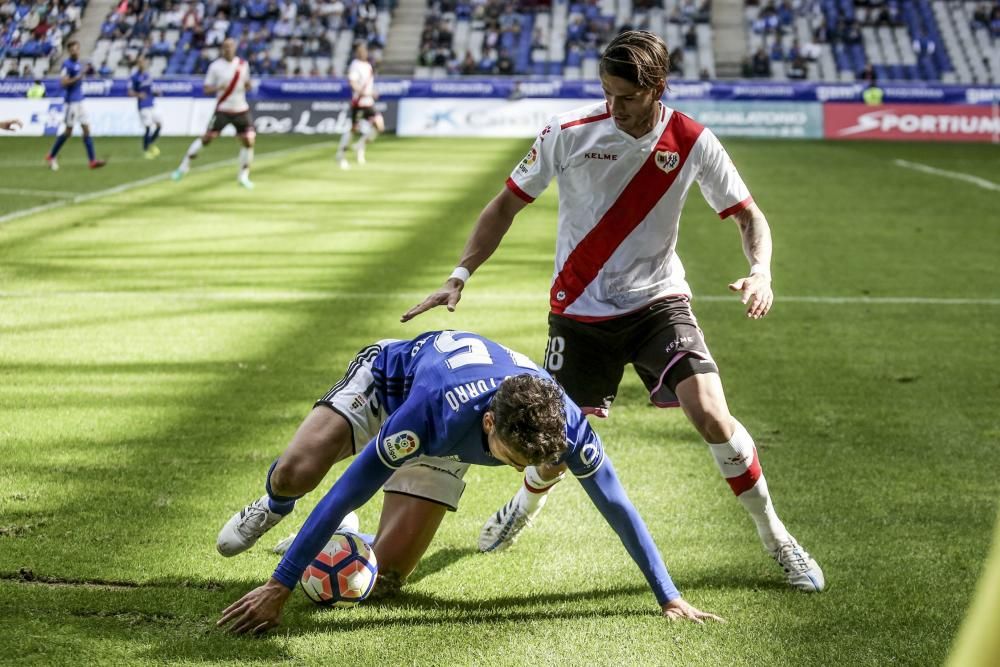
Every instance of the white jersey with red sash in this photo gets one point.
(231, 77)
(362, 78)
(620, 202)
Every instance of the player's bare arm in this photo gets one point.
(680, 609)
(12, 124)
(755, 289)
(258, 611)
(491, 227)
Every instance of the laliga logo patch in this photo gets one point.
(400, 445)
(531, 157)
(667, 160)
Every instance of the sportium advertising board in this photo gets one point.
(912, 122)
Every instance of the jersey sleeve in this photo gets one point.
(720, 183)
(362, 479)
(212, 75)
(534, 173)
(407, 432)
(588, 456)
(606, 492)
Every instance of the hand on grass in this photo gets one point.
(755, 291)
(448, 295)
(258, 611)
(679, 608)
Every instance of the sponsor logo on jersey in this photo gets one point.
(400, 445)
(547, 130)
(602, 156)
(667, 160)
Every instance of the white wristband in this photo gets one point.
(461, 273)
(760, 270)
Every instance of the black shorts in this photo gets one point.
(359, 113)
(241, 121)
(662, 341)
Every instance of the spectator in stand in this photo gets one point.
(797, 68)
(676, 61)
(691, 38)
(217, 32)
(777, 49)
(852, 33)
(761, 64)
(868, 75)
(468, 65)
(505, 65)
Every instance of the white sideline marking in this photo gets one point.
(956, 175)
(131, 185)
(35, 193)
(494, 297)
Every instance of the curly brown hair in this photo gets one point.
(529, 417)
(637, 56)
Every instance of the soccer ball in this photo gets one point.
(343, 574)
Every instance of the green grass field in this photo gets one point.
(159, 346)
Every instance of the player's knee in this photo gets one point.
(294, 476)
(715, 424)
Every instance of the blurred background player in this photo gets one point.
(417, 413)
(365, 119)
(619, 295)
(141, 88)
(72, 82)
(228, 78)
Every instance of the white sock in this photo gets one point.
(246, 159)
(535, 490)
(345, 139)
(192, 153)
(737, 461)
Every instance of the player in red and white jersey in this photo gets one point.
(619, 296)
(228, 78)
(365, 118)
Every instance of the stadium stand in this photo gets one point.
(287, 38)
(557, 37)
(874, 40)
(32, 34)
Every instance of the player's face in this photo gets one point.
(74, 51)
(499, 449)
(634, 109)
(228, 49)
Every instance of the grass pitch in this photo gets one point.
(159, 345)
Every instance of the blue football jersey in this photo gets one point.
(435, 390)
(73, 92)
(142, 82)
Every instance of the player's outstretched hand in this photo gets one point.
(448, 295)
(258, 611)
(755, 291)
(679, 608)
(12, 124)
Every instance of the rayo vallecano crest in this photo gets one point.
(667, 160)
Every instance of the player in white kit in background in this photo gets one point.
(228, 78)
(365, 118)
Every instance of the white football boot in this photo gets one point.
(244, 181)
(350, 524)
(801, 571)
(503, 528)
(246, 527)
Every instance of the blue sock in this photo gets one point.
(60, 140)
(89, 143)
(156, 135)
(145, 140)
(280, 504)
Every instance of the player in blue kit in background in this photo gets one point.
(417, 413)
(141, 88)
(72, 82)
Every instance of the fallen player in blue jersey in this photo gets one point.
(417, 413)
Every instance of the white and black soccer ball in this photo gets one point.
(343, 573)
